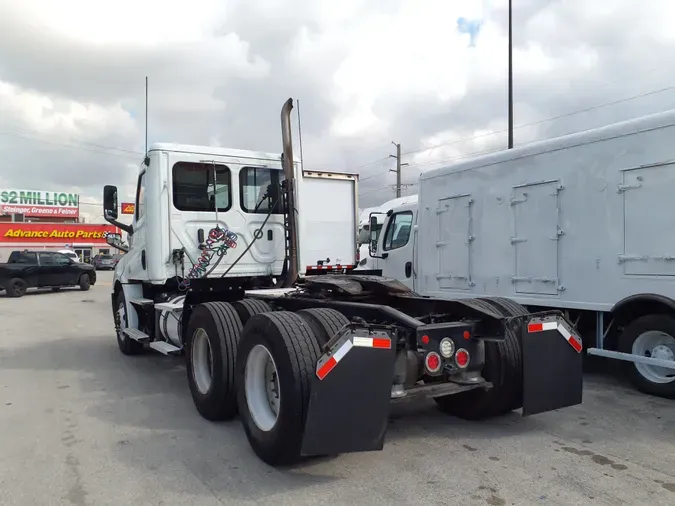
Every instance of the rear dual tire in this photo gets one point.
(274, 419)
(210, 353)
(263, 371)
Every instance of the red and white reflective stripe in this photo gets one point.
(541, 326)
(573, 340)
(373, 342)
(334, 359)
(339, 354)
(337, 267)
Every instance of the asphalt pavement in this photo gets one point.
(81, 424)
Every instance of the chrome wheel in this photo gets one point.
(121, 319)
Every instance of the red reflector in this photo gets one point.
(467, 334)
(433, 361)
(379, 342)
(425, 339)
(462, 358)
(326, 368)
(575, 344)
(535, 327)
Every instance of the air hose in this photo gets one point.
(219, 241)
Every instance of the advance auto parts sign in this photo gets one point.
(39, 203)
(55, 233)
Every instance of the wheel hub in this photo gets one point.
(120, 320)
(655, 344)
(261, 384)
(663, 352)
(202, 361)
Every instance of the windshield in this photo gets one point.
(69, 254)
(106, 257)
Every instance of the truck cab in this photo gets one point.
(196, 205)
(393, 248)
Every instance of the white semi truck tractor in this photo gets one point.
(242, 263)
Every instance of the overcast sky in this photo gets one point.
(423, 73)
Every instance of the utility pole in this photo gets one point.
(510, 78)
(398, 168)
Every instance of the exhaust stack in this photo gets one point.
(289, 173)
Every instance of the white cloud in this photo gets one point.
(367, 73)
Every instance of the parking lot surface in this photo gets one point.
(82, 424)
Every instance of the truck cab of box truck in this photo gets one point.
(394, 247)
(196, 204)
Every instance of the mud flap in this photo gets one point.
(552, 363)
(350, 394)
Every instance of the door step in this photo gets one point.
(136, 335)
(169, 306)
(141, 302)
(165, 348)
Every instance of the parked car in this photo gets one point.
(117, 257)
(37, 269)
(70, 254)
(104, 262)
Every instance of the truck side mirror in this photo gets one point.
(373, 234)
(373, 228)
(110, 202)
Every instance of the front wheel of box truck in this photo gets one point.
(651, 336)
(210, 354)
(276, 360)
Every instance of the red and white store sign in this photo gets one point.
(55, 233)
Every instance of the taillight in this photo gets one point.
(358, 255)
(432, 361)
(462, 358)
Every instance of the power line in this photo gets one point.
(371, 163)
(96, 148)
(553, 118)
(489, 134)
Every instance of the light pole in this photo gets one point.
(510, 78)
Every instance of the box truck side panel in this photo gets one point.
(577, 222)
(327, 217)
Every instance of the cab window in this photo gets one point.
(398, 231)
(194, 188)
(260, 190)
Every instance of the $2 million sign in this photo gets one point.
(39, 203)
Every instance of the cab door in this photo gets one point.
(397, 247)
(48, 273)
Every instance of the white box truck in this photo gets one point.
(582, 223)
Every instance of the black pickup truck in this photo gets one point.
(37, 269)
